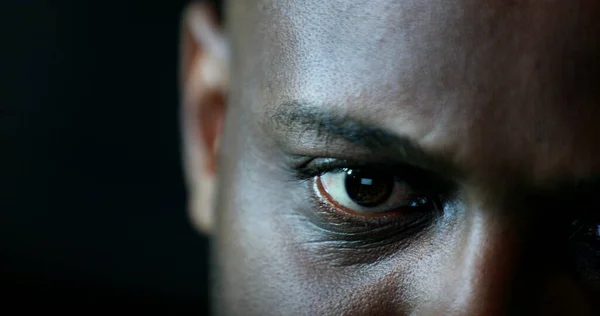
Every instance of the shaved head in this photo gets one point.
(397, 157)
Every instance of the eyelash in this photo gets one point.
(350, 234)
(387, 229)
(308, 170)
(315, 167)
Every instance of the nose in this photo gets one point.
(478, 278)
(492, 271)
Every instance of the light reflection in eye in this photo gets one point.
(366, 181)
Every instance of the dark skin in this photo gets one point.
(484, 115)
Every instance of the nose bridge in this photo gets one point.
(482, 271)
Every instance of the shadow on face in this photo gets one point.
(397, 157)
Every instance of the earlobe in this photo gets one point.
(203, 83)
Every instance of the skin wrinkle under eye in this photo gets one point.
(356, 134)
(368, 248)
(340, 241)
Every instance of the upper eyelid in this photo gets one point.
(303, 127)
(415, 175)
(331, 164)
(313, 168)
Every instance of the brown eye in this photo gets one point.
(369, 191)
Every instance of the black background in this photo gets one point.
(92, 208)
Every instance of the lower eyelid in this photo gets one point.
(342, 241)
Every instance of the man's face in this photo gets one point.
(410, 157)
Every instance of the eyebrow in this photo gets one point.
(294, 119)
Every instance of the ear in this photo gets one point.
(203, 84)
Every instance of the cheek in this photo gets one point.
(270, 259)
(256, 270)
(275, 265)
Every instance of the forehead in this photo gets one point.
(496, 86)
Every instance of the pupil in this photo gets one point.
(368, 188)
